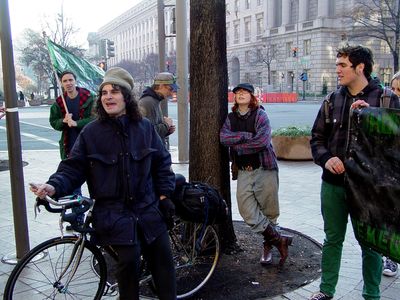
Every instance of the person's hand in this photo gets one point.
(72, 123)
(167, 208)
(67, 118)
(171, 129)
(169, 121)
(42, 189)
(335, 165)
(359, 104)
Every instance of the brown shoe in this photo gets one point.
(281, 242)
(266, 256)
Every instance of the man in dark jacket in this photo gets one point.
(328, 144)
(164, 86)
(128, 172)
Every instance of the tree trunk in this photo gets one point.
(209, 161)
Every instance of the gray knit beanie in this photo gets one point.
(119, 77)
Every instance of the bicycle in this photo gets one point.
(72, 267)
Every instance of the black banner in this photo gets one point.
(373, 178)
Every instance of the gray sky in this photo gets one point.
(85, 15)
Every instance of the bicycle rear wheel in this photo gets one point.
(196, 251)
(46, 272)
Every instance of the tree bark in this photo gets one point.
(209, 161)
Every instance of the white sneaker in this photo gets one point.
(389, 268)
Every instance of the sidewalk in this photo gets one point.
(300, 210)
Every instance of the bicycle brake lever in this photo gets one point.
(36, 209)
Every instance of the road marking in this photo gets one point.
(33, 124)
(35, 137)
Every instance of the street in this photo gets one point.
(37, 134)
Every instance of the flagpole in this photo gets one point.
(57, 79)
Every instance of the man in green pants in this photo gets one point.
(328, 144)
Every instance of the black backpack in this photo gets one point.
(200, 203)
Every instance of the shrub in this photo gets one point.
(293, 131)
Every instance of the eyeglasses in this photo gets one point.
(242, 92)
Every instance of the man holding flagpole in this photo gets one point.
(71, 111)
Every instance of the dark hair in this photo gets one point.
(67, 72)
(252, 105)
(358, 55)
(132, 107)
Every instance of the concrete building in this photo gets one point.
(270, 43)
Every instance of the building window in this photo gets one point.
(236, 6)
(259, 55)
(247, 30)
(227, 33)
(247, 77)
(259, 2)
(289, 49)
(385, 75)
(385, 49)
(260, 25)
(247, 56)
(259, 79)
(247, 4)
(236, 33)
(307, 47)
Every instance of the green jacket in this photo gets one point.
(57, 114)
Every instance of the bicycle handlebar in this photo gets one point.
(79, 203)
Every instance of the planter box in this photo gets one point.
(292, 147)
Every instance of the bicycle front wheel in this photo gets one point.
(54, 270)
(195, 250)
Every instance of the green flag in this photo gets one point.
(87, 74)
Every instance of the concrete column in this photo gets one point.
(270, 13)
(303, 8)
(323, 8)
(285, 12)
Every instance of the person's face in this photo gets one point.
(242, 97)
(68, 83)
(347, 75)
(166, 90)
(396, 86)
(113, 101)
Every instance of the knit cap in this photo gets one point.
(119, 77)
(168, 79)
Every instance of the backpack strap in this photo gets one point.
(328, 103)
(385, 97)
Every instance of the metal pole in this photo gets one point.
(182, 68)
(161, 47)
(13, 136)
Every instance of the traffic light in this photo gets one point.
(103, 48)
(173, 21)
(294, 52)
(110, 49)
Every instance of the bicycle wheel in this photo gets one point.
(47, 272)
(195, 250)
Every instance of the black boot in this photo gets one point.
(281, 242)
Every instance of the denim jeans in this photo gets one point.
(335, 214)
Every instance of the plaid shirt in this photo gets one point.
(244, 143)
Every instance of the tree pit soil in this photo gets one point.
(240, 275)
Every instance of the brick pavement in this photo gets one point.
(300, 210)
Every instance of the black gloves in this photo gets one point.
(167, 208)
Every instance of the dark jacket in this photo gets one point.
(149, 104)
(127, 168)
(57, 114)
(330, 139)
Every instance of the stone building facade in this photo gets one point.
(270, 43)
